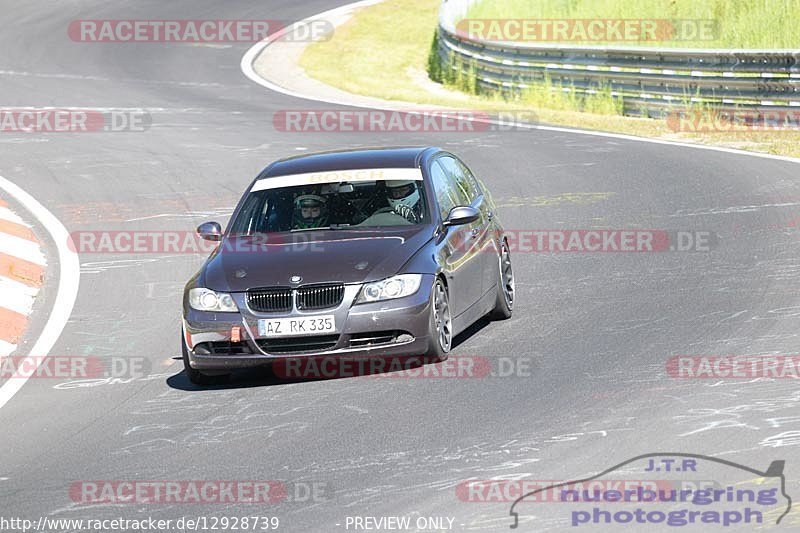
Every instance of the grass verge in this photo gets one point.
(762, 24)
(383, 52)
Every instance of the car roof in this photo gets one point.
(381, 157)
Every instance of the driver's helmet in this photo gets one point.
(402, 193)
(310, 211)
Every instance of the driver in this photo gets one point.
(404, 199)
(310, 211)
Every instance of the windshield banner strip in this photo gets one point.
(337, 176)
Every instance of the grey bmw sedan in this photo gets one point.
(365, 253)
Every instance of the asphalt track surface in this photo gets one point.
(597, 328)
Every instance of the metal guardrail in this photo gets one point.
(650, 81)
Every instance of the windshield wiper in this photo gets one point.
(309, 229)
(332, 226)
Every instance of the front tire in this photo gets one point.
(195, 376)
(441, 324)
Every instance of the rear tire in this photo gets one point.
(504, 303)
(440, 329)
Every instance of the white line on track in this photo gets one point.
(6, 348)
(22, 248)
(252, 54)
(9, 215)
(17, 296)
(68, 284)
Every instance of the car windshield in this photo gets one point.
(326, 201)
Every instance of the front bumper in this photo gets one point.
(397, 327)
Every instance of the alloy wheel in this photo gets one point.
(507, 276)
(441, 316)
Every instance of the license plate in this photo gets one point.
(295, 326)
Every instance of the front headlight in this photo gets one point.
(390, 288)
(208, 300)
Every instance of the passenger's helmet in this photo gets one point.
(402, 193)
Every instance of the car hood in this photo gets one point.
(347, 256)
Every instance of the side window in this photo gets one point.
(463, 180)
(474, 184)
(446, 194)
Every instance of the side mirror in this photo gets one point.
(462, 215)
(210, 231)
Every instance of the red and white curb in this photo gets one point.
(22, 270)
(26, 271)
